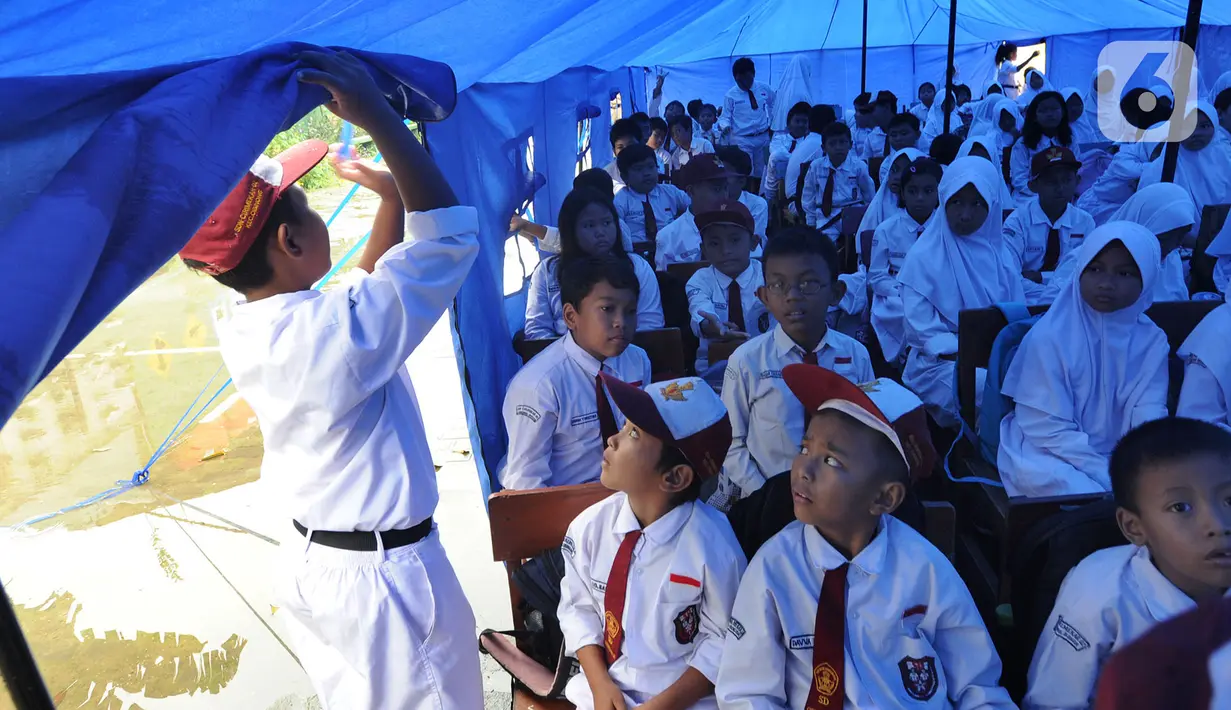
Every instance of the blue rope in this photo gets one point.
(142, 475)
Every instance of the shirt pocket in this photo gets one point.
(915, 675)
(679, 606)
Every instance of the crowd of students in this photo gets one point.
(762, 547)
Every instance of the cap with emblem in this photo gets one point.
(881, 404)
(701, 168)
(1056, 156)
(731, 212)
(685, 413)
(224, 239)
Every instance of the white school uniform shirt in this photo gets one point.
(1205, 173)
(680, 157)
(1025, 235)
(1019, 164)
(614, 171)
(1207, 370)
(919, 111)
(667, 201)
(1082, 379)
(767, 421)
(325, 374)
(781, 146)
(852, 185)
(679, 243)
(890, 243)
(904, 601)
(550, 242)
(682, 582)
(551, 414)
(871, 144)
(808, 150)
(738, 115)
(1108, 600)
(1006, 76)
(707, 292)
(760, 216)
(545, 311)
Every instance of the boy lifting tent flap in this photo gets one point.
(375, 613)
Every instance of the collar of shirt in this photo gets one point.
(783, 343)
(746, 278)
(580, 356)
(661, 531)
(1038, 216)
(825, 557)
(1162, 598)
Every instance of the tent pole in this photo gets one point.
(21, 676)
(1183, 72)
(863, 57)
(949, 66)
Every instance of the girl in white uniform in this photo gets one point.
(1036, 84)
(589, 225)
(959, 262)
(1204, 165)
(1092, 368)
(1007, 69)
(886, 203)
(984, 146)
(1168, 212)
(1119, 181)
(1207, 370)
(1047, 124)
(917, 199)
(1086, 129)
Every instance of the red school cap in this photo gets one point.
(223, 240)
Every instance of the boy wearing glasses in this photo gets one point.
(767, 421)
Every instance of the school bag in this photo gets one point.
(995, 405)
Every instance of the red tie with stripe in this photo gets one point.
(752, 99)
(828, 642)
(613, 597)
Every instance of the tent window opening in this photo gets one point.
(583, 146)
(1039, 62)
(617, 107)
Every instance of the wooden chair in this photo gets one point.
(799, 191)
(1213, 217)
(1005, 168)
(524, 524)
(662, 345)
(848, 249)
(671, 290)
(646, 250)
(684, 271)
(721, 350)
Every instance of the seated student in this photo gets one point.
(904, 132)
(848, 606)
(1046, 126)
(722, 297)
(651, 572)
(705, 180)
(642, 120)
(982, 146)
(1075, 106)
(707, 118)
(891, 242)
(885, 203)
(927, 94)
(686, 145)
(1170, 479)
(808, 150)
(1121, 178)
(783, 145)
(1222, 106)
(1207, 370)
(1092, 368)
(588, 227)
(935, 124)
(959, 262)
(834, 181)
(860, 121)
(624, 132)
(746, 112)
(555, 438)
(739, 165)
(1036, 84)
(1167, 210)
(767, 422)
(874, 143)
(1048, 226)
(659, 141)
(548, 238)
(945, 147)
(1204, 164)
(645, 204)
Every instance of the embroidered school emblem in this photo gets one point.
(763, 322)
(612, 632)
(825, 678)
(687, 624)
(870, 386)
(918, 676)
(674, 392)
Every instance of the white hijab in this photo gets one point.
(1086, 129)
(795, 86)
(1209, 341)
(1160, 208)
(1222, 83)
(989, 144)
(885, 204)
(955, 273)
(1092, 368)
(1205, 173)
(987, 121)
(1029, 92)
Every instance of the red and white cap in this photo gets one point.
(685, 413)
(224, 239)
(881, 404)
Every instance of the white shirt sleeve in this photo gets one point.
(540, 321)
(883, 284)
(655, 103)
(550, 242)
(739, 467)
(680, 201)
(1064, 439)
(752, 674)
(698, 300)
(1076, 640)
(867, 188)
(1201, 396)
(384, 316)
(969, 659)
(925, 326)
(1019, 169)
(809, 196)
(581, 619)
(649, 303)
(721, 586)
(728, 110)
(530, 415)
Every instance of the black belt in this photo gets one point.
(366, 541)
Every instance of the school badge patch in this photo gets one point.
(735, 628)
(612, 631)
(918, 676)
(763, 322)
(687, 624)
(674, 392)
(825, 678)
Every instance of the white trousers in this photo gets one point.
(385, 629)
(756, 148)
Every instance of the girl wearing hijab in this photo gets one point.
(1207, 372)
(1204, 165)
(1092, 368)
(958, 263)
(1086, 127)
(885, 203)
(917, 200)
(984, 146)
(1036, 84)
(1119, 181)
(1168, 212)
(1220, 249)
(1047, 125)
(1075, 105)
(1007, 69)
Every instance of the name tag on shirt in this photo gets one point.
(598, 586)
(770, 375)
(842, 361)
(581, 419)
(553, 286)
(799, 643)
